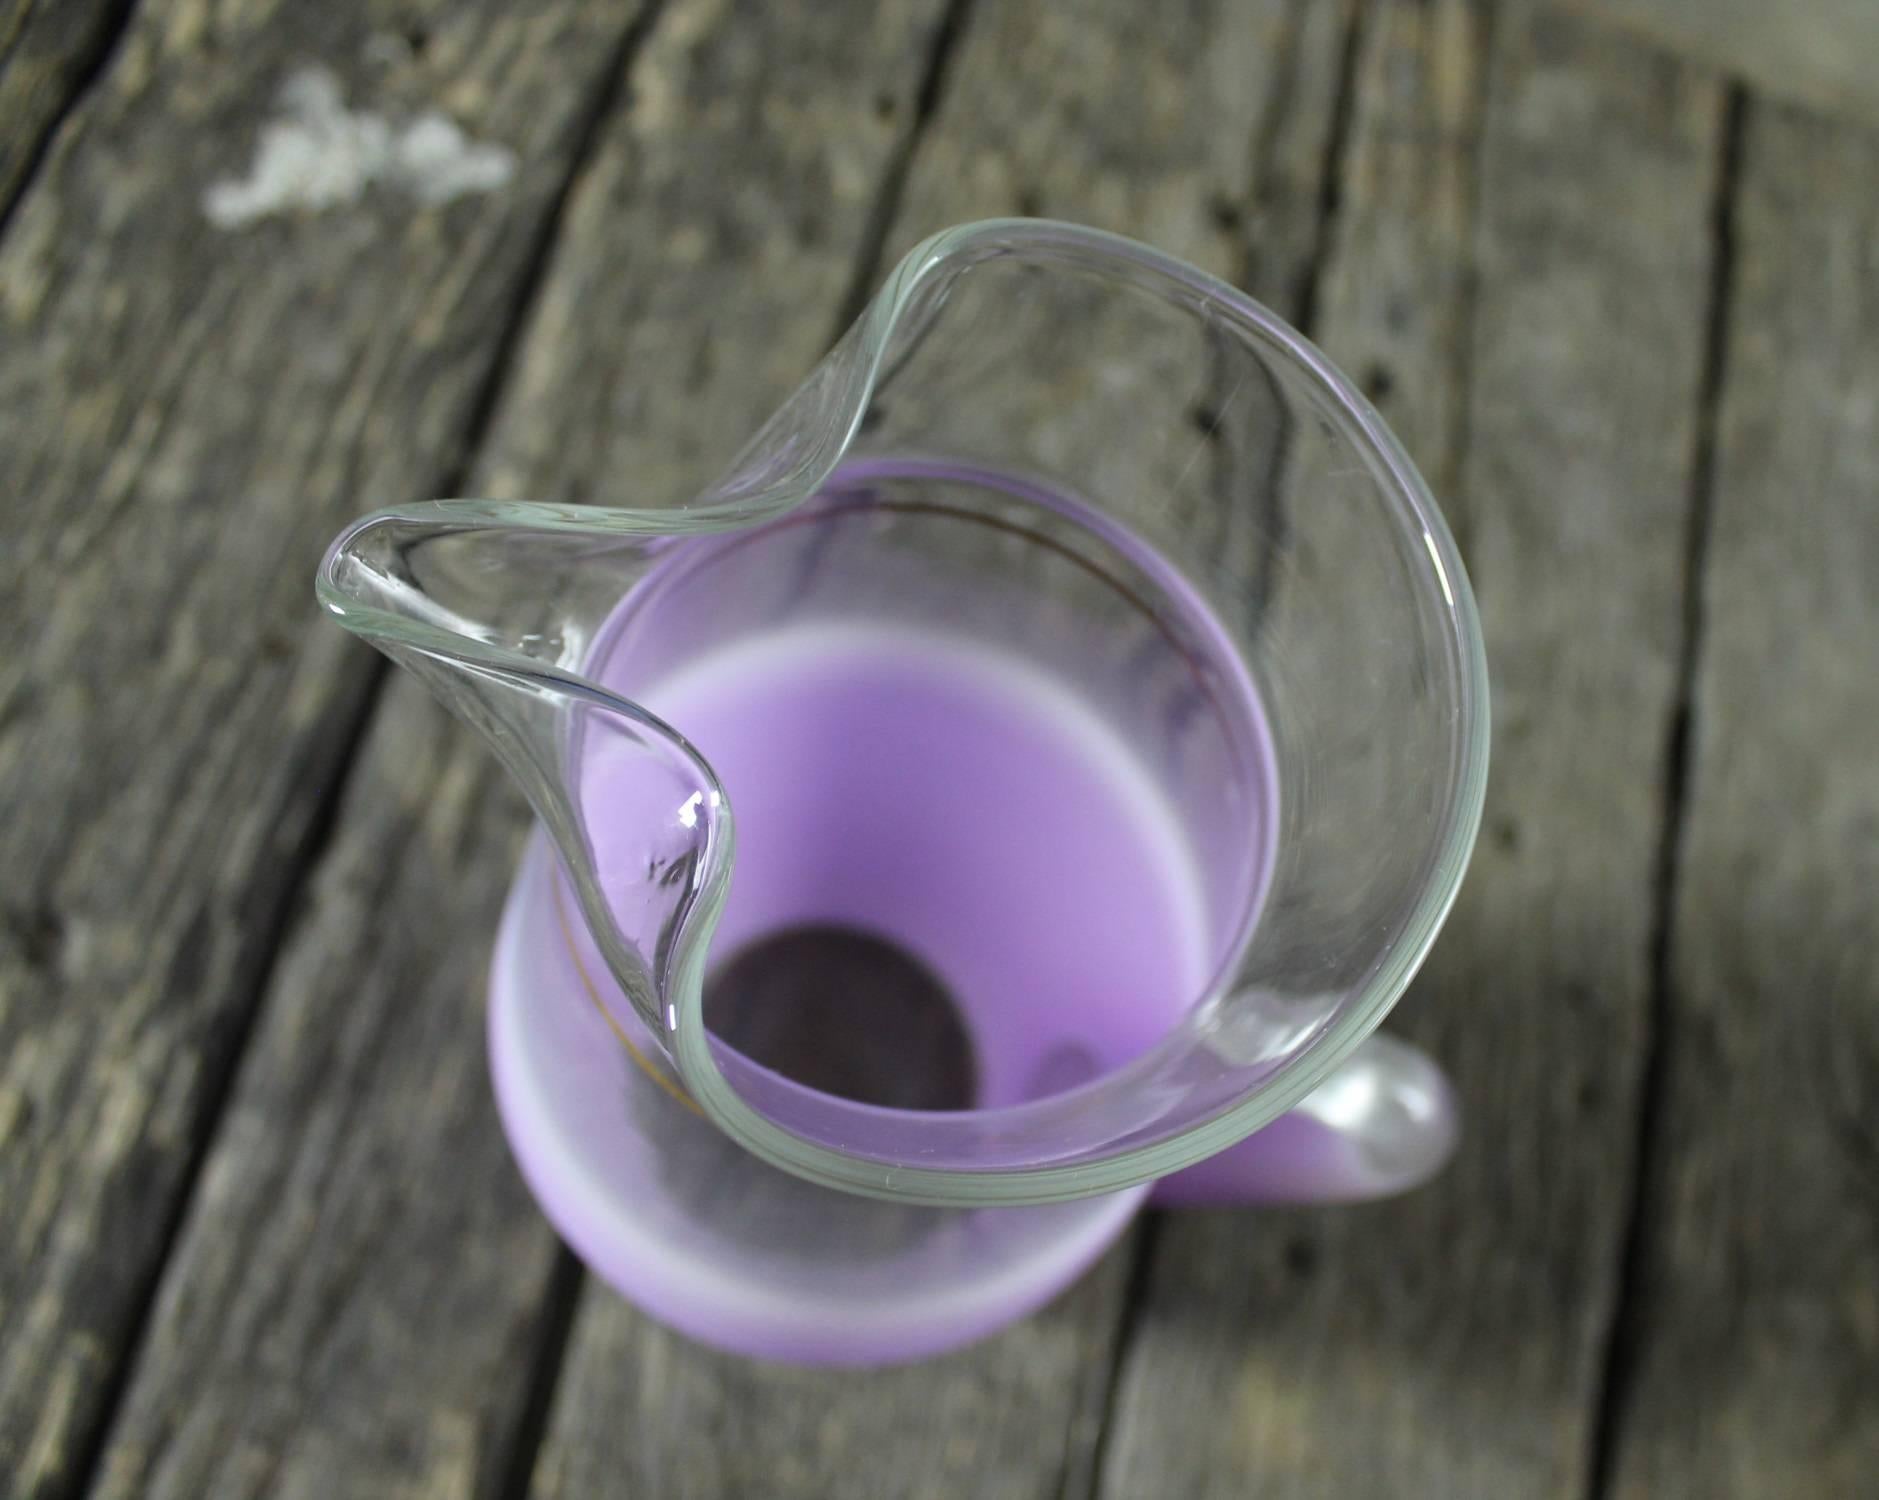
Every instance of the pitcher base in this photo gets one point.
(704, 1237)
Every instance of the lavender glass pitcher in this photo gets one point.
(1023, 781)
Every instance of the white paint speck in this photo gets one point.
(317, 154)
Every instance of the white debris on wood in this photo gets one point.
(436, 162)
(317, 154)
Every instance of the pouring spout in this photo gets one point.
(498, 606)
(495, 612)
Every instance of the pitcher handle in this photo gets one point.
(1385, 1121)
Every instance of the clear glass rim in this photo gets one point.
(1358, 1014)
(889, 326)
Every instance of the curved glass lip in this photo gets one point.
(889, 327)
(1354, 1019)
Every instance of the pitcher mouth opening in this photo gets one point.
(1162, 1107)
(872, 671)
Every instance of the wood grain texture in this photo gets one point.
(1161, 124)
(354, 1302)
(642, 1411)
(47, 49)
(1451, 1343)
(1020, 125)
(185, 418)
(711, 248)
(1218, 158)
(1758, 1309)
(1395, 307)
(1819, 52)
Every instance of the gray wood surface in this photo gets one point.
(1757, 1325)
(355, 1303)
(1451, 1343)
(1228, 101)
(1819, 52)
(48, 48)
(712, 249)
(258, 1231)
(186, 417)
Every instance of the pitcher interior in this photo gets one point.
(1004, 792)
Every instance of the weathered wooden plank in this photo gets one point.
(1022, 125)
(1451, 1343)
(354, 1303)
(642, 1411)
(1757, 1311)
(47, 49)
(1820, 52)
(1394, 303)
(1226, 104)
(740, 181)
(186, 415)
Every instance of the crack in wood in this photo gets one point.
(952, 26)
(347, 734)
(1630, 1311)
(74, 67)
(1128, 1319)
(611, 95)
(559, 1306)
